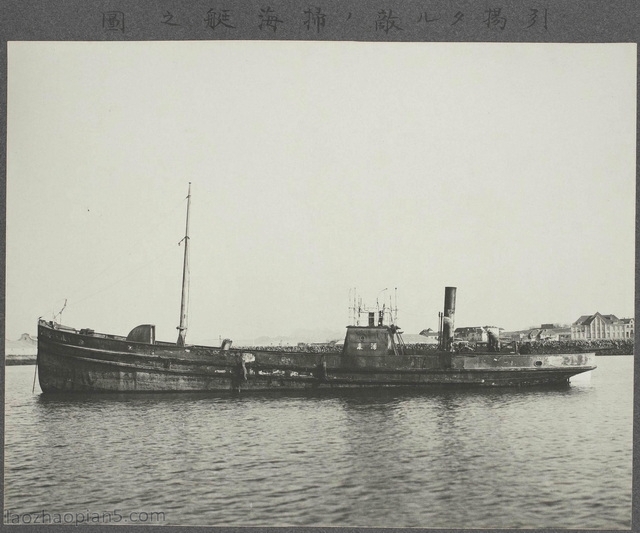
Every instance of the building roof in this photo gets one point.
(586, 320)
(581, 320)
(475, 329)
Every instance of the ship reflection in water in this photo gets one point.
(447, 458)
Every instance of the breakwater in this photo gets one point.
(12, 360)
(600, 347)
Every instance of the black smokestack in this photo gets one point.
(448, 319)
(372, 318)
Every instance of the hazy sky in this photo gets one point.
(507, 170)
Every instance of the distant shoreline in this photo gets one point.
(12, 360)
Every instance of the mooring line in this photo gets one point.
(35, 373)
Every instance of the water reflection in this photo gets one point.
(355, 395)
(441, 458)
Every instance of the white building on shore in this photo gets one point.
(598, 327)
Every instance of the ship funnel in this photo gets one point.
(448, 317)
(372, 319)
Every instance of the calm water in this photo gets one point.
(455, 458)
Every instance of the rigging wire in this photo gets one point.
(135, 245)
(131, 273)
(188, 299)
(60, 312)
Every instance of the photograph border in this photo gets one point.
(568, 21)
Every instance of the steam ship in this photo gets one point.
(373, 355)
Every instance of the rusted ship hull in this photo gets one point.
(73, 361)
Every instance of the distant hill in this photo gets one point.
(22, 351)
(302, 335)
(413, 338)
(554, 333)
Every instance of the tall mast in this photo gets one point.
(182, 328)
